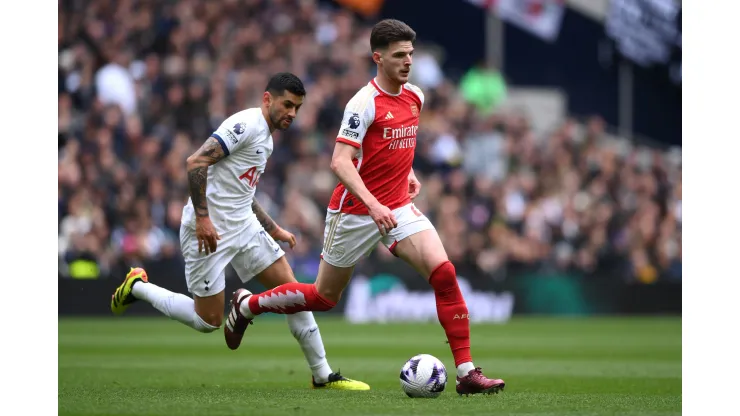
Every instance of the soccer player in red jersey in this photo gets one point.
(373, 159)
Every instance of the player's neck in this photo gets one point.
(266, 115)
(387, 85)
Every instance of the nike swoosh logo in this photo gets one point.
(313, 330)
(259, 152)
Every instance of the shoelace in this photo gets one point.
(337, 377)
(476, 373)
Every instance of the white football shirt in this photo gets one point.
(246, 140)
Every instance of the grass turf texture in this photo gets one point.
(153, 366)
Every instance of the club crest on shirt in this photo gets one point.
(414, 110)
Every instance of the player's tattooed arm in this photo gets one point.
(197, 164)
(267, 223)
(271, 227)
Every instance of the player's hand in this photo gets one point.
(414, 186)
(383, 217)
(207, 235)
(282, 235)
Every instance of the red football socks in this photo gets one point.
(452, 311)
(288, 299)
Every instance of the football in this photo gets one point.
(423, 376)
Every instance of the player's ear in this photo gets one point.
(267, 98)
(376, 57)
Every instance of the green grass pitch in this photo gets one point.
(153, 366)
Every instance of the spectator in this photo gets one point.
(484, 87)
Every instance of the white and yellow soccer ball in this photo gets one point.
(423, 376)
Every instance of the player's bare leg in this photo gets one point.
(279, 276)
(332, 280)
(202, 314)
(425, 253)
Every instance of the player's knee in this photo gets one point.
(209, 322)
(330, 297)
(215, 320)
(443, 276)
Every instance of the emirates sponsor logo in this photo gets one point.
(400, 132)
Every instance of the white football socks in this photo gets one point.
(304, 328)
(464, 368)
(174, 305)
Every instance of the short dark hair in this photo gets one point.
(285, 81)
(388, 31)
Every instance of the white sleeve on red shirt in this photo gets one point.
(358, 116)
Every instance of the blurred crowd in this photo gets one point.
(143, 83)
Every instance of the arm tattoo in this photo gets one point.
(267, 223)
(208, 154)
(197, 179)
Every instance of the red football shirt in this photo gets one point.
(382, 126)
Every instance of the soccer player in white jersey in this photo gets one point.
(373, 158)
(223, 224)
